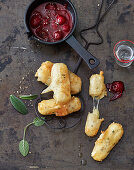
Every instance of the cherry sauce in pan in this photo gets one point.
(51, 22)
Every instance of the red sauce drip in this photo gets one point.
(117, 88)
(51, 22)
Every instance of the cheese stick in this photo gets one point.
(43, 74)
(48, 107)
(107, 140)
(93, 123)
(60, 83)
(97, 87)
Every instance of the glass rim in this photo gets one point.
(122, 61)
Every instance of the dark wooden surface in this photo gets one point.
(20, 58)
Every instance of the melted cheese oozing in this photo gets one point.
(93, 123)
(97, 87)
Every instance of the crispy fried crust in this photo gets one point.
(43, 74)
(48, 107)
(75, 83)
(107, 140)
(97, 87)
(60, 83)
(93, 123)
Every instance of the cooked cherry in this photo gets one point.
(117, 87)
(66, 28)
(116, 96)
(35, 21)
(51, 6)
(54, 26)
(42, 33)
(45, 22)
(60, 19)
(51, 21)
(58, 35)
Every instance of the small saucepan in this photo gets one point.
(91, 61)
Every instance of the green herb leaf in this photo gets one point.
(28, 97)
(18, 104)
(38, 122)
(24, 147)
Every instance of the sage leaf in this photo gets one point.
(18, 104)
(28, 97)
(24, 147)
(38, 122)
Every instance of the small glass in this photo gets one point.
(124, 53)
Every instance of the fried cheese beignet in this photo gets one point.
(60, 83)
(97, 87)
(93, 123)
(43, 74)
(107, 140)
(75, 83)
(48, 107)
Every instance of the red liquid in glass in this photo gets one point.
(51, 22)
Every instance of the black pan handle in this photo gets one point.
(91, 61)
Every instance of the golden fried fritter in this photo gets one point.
(107, 140)
(48, 107)
(75, 83)
(97, 87)
(44, 75)
(93, 123)
(60, 83)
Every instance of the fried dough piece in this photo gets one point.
(107, 140)
(93, 123)
(97, 87)
(75, 83)
(60, 83)
(43, 74)
(48, 107)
